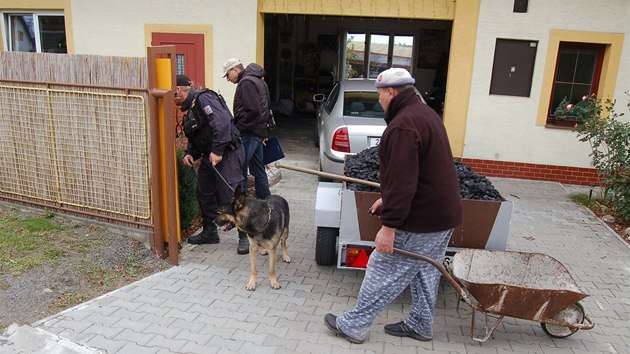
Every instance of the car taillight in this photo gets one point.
(357, 257)
(341, 140)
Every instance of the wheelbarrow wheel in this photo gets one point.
(572, 314)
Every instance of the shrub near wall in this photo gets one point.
(599, 124)
(187, 186)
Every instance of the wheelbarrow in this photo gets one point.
(529, 286)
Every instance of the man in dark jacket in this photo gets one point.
(420, 206)
(213, 139)
(251, 115)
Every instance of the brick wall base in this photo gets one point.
(562, 174)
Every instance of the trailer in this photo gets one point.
(346, 230)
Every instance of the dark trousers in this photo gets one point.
(212, 190)
(254, 161)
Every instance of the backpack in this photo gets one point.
(196, 125)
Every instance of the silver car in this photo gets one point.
(349, 120)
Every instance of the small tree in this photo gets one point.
(609, 139)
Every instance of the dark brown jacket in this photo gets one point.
(251, 102)
(419, 183)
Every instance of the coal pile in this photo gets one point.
(365, 166)
(474, 186)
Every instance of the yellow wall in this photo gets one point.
(433, 9)
(260, 39)
(206, 30)
(610, 66)
(459, 77)
(465, 15)
(56, 5)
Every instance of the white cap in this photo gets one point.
(394, 77)
(229, 64)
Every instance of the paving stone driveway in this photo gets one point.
(201, 306)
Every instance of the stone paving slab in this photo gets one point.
(201, 306)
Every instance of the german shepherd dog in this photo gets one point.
(266, 223)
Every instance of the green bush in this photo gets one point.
(609, 138)
(187, 186)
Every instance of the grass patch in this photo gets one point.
(72, 299)
(597, 205)
(31, 241)
(25, 242)
(602, 207)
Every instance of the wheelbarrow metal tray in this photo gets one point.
(531, 286)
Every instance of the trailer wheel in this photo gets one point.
(572, 314)
(326, 246)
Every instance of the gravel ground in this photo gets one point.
(97, 258)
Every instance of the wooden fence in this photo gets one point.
(74, 134)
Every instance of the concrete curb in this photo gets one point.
(26, 339)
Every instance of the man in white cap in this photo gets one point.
(419, 207)
(251, 114)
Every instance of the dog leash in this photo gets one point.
(223, 179)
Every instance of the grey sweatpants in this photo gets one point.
(388, 275)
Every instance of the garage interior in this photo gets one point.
(306, 55)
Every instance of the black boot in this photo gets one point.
(243, 243)
(208, 235)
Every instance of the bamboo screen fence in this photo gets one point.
(84, 146)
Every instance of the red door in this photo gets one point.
(189, 60)
(188, 53)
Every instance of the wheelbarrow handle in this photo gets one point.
(449, 277)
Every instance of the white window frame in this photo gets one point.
(368, 49)
(7, 30)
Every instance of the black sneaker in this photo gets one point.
(400, 329)
(330, 321)
(243, 244)
(204, 237)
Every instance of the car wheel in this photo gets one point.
(326, 246)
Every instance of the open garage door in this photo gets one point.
(305, 55)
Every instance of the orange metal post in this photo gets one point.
(165, 208)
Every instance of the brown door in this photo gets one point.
(188, 53)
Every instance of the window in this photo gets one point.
(377, 59)
(35, 32)
(355, 53)
(383, 51)
(332, 99)
(578, 70)
(362, 104)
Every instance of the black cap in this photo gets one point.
(183, 80)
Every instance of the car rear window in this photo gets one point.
(362, 104)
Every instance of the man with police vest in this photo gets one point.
(213, 139)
